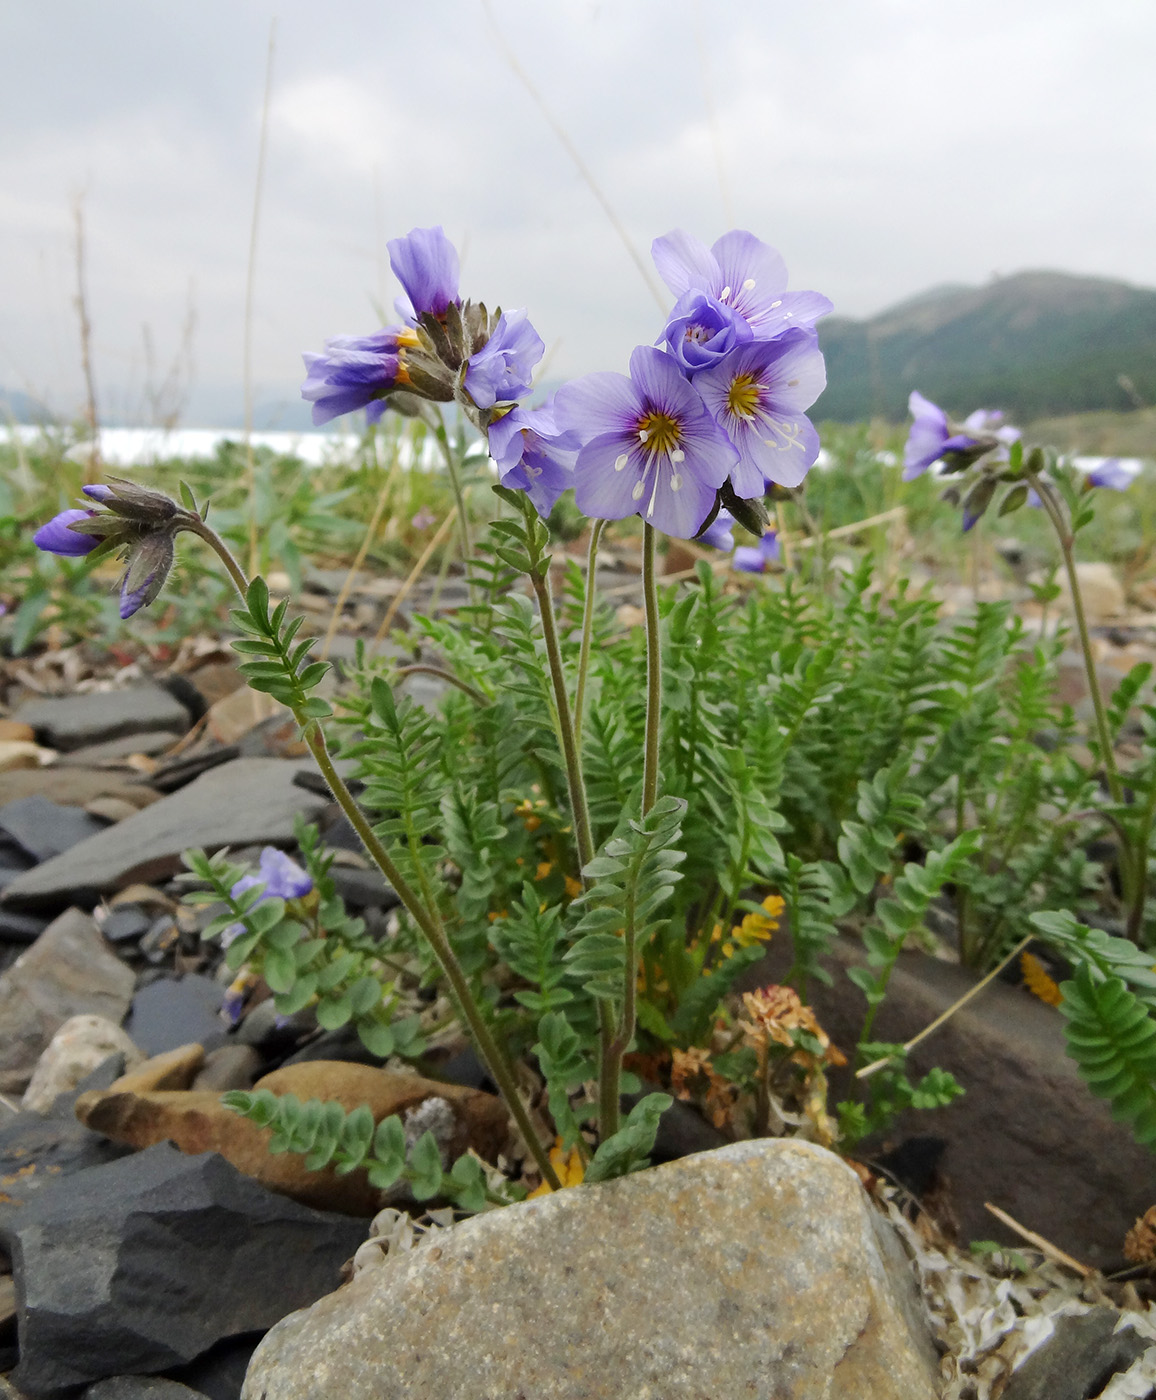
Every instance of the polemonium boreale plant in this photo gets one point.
(986, 460)
(705, 421)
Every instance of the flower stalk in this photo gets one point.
(423, 914)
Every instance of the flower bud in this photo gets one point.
(148, 569)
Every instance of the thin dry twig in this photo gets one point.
(1051, 1251)
(90, 415)
(250, 278)
(370, 534)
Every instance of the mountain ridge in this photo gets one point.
(1035, 343)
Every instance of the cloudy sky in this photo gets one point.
(884, 146)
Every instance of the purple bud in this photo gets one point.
(718, 534)
(281, 877)
(58, 537)
(99, 492)
(147, 571)
(425, 262)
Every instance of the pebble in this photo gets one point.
(80, 1045)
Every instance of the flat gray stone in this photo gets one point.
(251, 801)
(69, 971)
(114, 750)
(141, 1388)
(44, 829)
(758, 1271)
(72, 721)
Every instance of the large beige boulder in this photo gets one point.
(759, 1270)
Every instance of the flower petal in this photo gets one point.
(684, 263)
(598, 404)
(602, 490)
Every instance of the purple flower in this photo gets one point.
(701, 330)
(533, 454)
(930, 437)
(742, 273)
(758, 394)
(718, 534)
(756, 559)
(502, 369)
(356, 372)
(1112, 474)
(425, 262)
(100, 493)
(58, 537)
(281, 878)
(651, 446)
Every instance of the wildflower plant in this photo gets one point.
(596, 834)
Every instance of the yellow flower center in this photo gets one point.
(659, 433)
(743, 396)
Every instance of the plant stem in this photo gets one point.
(426, 918)
(1107, 753)
(653, 672)
(587, 630)
(573, 759)
(456, 482)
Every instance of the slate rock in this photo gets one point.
(125, 924)
(1078, 1359)
(145, 1263)
(141, 1388)
(1027, 1135)
(248, 801)
(760, 1269)
(21, 928)
(38, 1150)
(71, 721)
(220, 1373)
(69, 971)
(175, 1011)
(45, 829)
(82, 1044)
(363, 889)
(76, 787)
(116, 750)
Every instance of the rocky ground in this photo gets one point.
(149, 1234)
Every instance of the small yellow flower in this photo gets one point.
(544, 868)
(1037, 981)
(573, 887)
(570, 1169)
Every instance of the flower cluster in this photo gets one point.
(985, 441)
(713, 414)
(139, 522)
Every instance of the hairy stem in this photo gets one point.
(452, 466)
(587, 630)
(653, 672)
(1107, 753)
(570, 753)
(426, 918)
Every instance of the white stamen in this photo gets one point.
(643, 434)
(653, 494)
(791, 383)
(639, 488)
(620, 462)
(676, 482)
(776, 303)
(726, 291)
(748, 285)
(678, 455)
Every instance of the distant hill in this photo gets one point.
(17, 407)
(1035, 344)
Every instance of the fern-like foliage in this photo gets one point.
(324, 1134)
(1111, 1035)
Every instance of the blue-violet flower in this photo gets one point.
(281, 877)
(425, 262)
(930, 437)
(1113, 474)
(701, 330)
(502, 370)
(651, 447)
(533, 454)
(758, 394)
(756, 559)
(356, 372)
(743, 273)
(719, 534)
